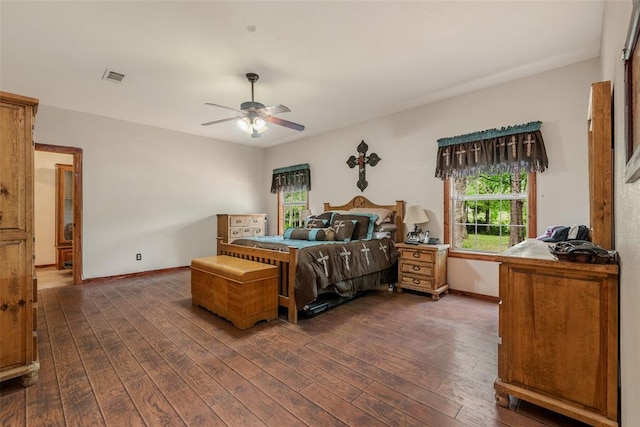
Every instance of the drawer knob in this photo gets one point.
(416, 254)
(416, 281)
(4, 306)
(416, 268)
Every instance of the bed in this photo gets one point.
(303, 274)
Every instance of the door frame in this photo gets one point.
(77, 203)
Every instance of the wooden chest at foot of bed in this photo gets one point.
(239, 290)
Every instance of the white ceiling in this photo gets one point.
(333, 63)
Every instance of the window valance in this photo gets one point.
(508, 149)
(291, 178)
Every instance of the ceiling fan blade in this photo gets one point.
(275, 109)
(222, 106)
(219, 121)
(285, 123)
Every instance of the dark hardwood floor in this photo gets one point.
(132, 352)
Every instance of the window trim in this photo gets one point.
(532, 219)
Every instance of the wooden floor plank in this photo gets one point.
(266, 408)
(234, 413)
(136, 352)
(12, 402)
(304, 409)
(193, 410)
(151, 403)
(43, 403)
(340, 408)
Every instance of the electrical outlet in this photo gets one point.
(138, 257)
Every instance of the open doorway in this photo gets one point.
(74, 253)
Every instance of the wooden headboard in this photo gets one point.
(363, 202)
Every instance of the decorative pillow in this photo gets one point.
(364, 226)
(323, 215)
(316, 223)
(329, 234)
(384, 215)
(343, 229)
(313, 234)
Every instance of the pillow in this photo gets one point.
(384, 215)
(313, 234)
(329, 234)
(364, 226)
(343, 229)
(384, 230)
(387, 227)
(326, 215)
(316, 223)
(323, 215)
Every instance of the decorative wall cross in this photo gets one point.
(362, 160)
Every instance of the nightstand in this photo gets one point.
(423, 268)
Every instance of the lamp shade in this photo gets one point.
(415, 215)
(305, 213)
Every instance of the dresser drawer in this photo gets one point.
(239, 221)
(255, 221)
(416, 255)
(235, 232)
(416, 268)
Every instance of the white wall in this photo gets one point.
(406, 142)
(45, 204)
(627, 216)
(152, 191)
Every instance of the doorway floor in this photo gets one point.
(51, 277)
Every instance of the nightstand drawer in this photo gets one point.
(416, 268)
(416, 283)
(416, 254)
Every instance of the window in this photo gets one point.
(292, 185)
(489, 213)
(290, 204)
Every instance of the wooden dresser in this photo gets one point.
(18, 305)
(558, 327)
(232, 227)
(423, 268)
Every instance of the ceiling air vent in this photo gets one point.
(112, 76)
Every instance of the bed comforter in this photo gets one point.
(343, 268)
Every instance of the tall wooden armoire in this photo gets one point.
(18, 305)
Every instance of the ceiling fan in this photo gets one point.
(253, 116)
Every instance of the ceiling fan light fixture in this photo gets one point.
(260, 124)
(245, 125)
(254, 126)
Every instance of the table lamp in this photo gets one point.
(415, 215)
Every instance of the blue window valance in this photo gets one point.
(291, 178)
(509, 149)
